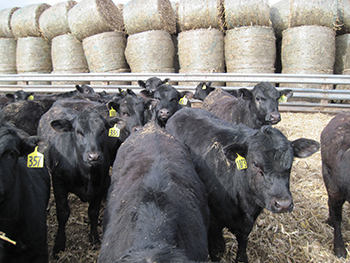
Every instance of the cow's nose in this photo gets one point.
(283, 206)
(274, 117)
(93, 156)
(164, 112)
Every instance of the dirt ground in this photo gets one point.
(299, 236)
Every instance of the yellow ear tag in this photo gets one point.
(241, 162)
(183, 101)
(4, 237)
(283, 98)
(114, 131)
(112, 112)
(35, 159)
(167, 83)
(204, 87)
(31, 97)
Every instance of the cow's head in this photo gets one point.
(263, 101)
(151, 84)
(202, 90)
(19, 95)
(86, 91)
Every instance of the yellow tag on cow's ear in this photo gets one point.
(35, 159)
(283, 98)
(204, 87)
(31, 97)
(112, 112)
(183, 101)
(4, 237)
(241, 162)
(114, 131)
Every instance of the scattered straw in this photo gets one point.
(5, 22)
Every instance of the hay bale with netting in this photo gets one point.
(53, 21)
(140, 16)
(201, 49)
(250, 49)
(33, 55)
(8, 48)
(313, 12)
(5, 22)
(303, 54)
(279, 15)
(247, 13)
(196, 14)
(25, 21)
(175, 6)
(68, 55)
(105, 52)
(91, 17)
(150, 51)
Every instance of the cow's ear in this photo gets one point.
(245, 94)
(28, 144)
(209, 84)
(187, 94)
(113, 104)
(288, 93)
(62, 125)
(233, 149)
(166, 81)
(150, 104)
(10, 96)
(141, 83)
(131, 92)
(146, 94)
(119, 122)
(79, 88)
(304, 147)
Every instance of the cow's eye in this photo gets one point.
(11, 154)
(257, 168)
(125, 114)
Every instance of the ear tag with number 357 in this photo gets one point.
(112, 112)
(114, 131)
(35, 159)
(283, 98)
(241, 162)
(183, 101)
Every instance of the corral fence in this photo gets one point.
(325, 99)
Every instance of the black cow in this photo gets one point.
(78, 158)
(202, 90)
(156, 207)
(236, 194)
(24, 195)
(335, 145)
(254, 108)
(166, 101)
(19, 95)
(152, 83)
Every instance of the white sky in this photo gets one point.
(20, 3)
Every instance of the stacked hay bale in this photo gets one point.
(8, 44)
(150, 26)
(250, 43)
(201, 40)
(33, 53)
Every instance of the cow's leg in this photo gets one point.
(94, 211)
(216, 242)
(335, 219)
(63, 211)
(242, 240)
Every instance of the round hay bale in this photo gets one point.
(279, 15)
(123, 70)
(342, 57)
(91, 17)
(105, 52)
(247, 13)
(196, 14)
(140, 16)
(8, 58)
(33, 55)
(150, 51)
(313, 12)
(175, 6)
(68, 55)
(190, 83)
(303, 54)
(25, 21)
(250, 50)
(53, 21)
(5, 22)
(201, 49)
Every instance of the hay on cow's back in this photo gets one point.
(196, 14)
(25, 21)
(90, 17)
(247, 13)
(54, 20)
(104, 52)
(150, 51)
(5, 22)
(140, 16)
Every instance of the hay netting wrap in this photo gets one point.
(303, 54)
(201, 49)
(5, 22)
(105, 52)
(54, 20)
(195, 14)
(247, 13)
(141, 15)
(25, 21)
(68, 54)
(90, 17)
(279, 15)
(8, 48)
(33, 54)
(150, 50)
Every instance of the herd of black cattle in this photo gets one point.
(180, 175)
